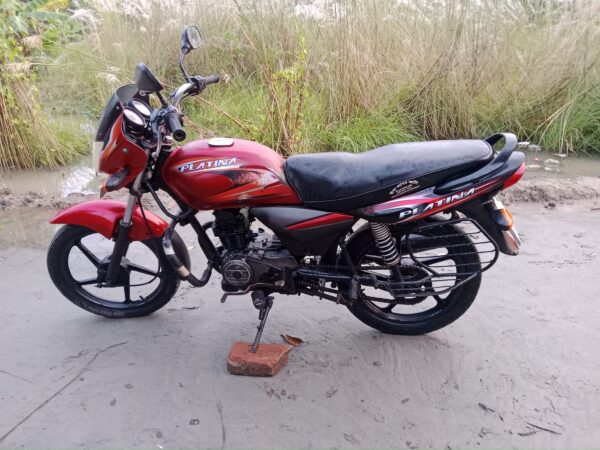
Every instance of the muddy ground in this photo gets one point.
(519, 370)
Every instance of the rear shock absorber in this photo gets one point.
(386, 244)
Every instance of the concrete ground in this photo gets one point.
(520, 369)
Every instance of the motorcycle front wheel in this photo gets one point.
(78, 257)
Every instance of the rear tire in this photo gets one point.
(457, 301)
(60, 248)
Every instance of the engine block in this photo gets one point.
(263, 261)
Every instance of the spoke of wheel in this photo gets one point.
(126, 290)
(435, 259)
(88, 254)
(388, 308)
(143, 270)
(87, 281)
(440, 301)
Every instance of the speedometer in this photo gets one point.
(141, 107)
(135, 123)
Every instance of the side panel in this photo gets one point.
(447, 195)
(103, 217)
(423, 204)
(305, 231)
(240, 175)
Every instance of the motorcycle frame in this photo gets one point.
(303, 231)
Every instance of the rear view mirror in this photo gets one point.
(190, 39)
(145, 79)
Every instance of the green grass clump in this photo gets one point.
(366, 131)
(576, 126)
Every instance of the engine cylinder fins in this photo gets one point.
(231, 227)
(386, 244)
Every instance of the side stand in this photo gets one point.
(264, 303)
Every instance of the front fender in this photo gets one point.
(103, 216)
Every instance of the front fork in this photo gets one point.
(122, 239)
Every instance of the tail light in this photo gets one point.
(514, 177)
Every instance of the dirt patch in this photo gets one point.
(553, 190)
(38, 200)
(10, 200)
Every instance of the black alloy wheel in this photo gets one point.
(409, 311)
(78, 259)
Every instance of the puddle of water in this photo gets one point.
(539, 166)
(26, 228)
(79, 178)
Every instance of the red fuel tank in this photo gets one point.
(227, 173)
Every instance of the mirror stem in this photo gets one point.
(163, 102)
(185, 74)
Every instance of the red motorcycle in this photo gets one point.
(431, 222)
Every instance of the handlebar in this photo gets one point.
(195, 86)
(211, 79)
(174, 125)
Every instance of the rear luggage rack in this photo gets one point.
(443, 277)
(490, 169)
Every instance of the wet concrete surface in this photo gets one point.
(519, 370)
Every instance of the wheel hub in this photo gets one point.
(122, 275)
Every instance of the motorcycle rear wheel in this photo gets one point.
(381, 316)
(151, 281)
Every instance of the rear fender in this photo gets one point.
(103, 217)
(480, 210)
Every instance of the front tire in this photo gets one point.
(159, 284)
(460, 249)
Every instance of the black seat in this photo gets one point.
(340, 181)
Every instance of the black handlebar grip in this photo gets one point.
(179, 135)
(174, 125)
(211, 79)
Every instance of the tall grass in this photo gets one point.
(28, 139)
(353, 74)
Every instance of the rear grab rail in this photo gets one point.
(510, 143)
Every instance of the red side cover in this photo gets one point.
(325, 219)
(103, 217)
